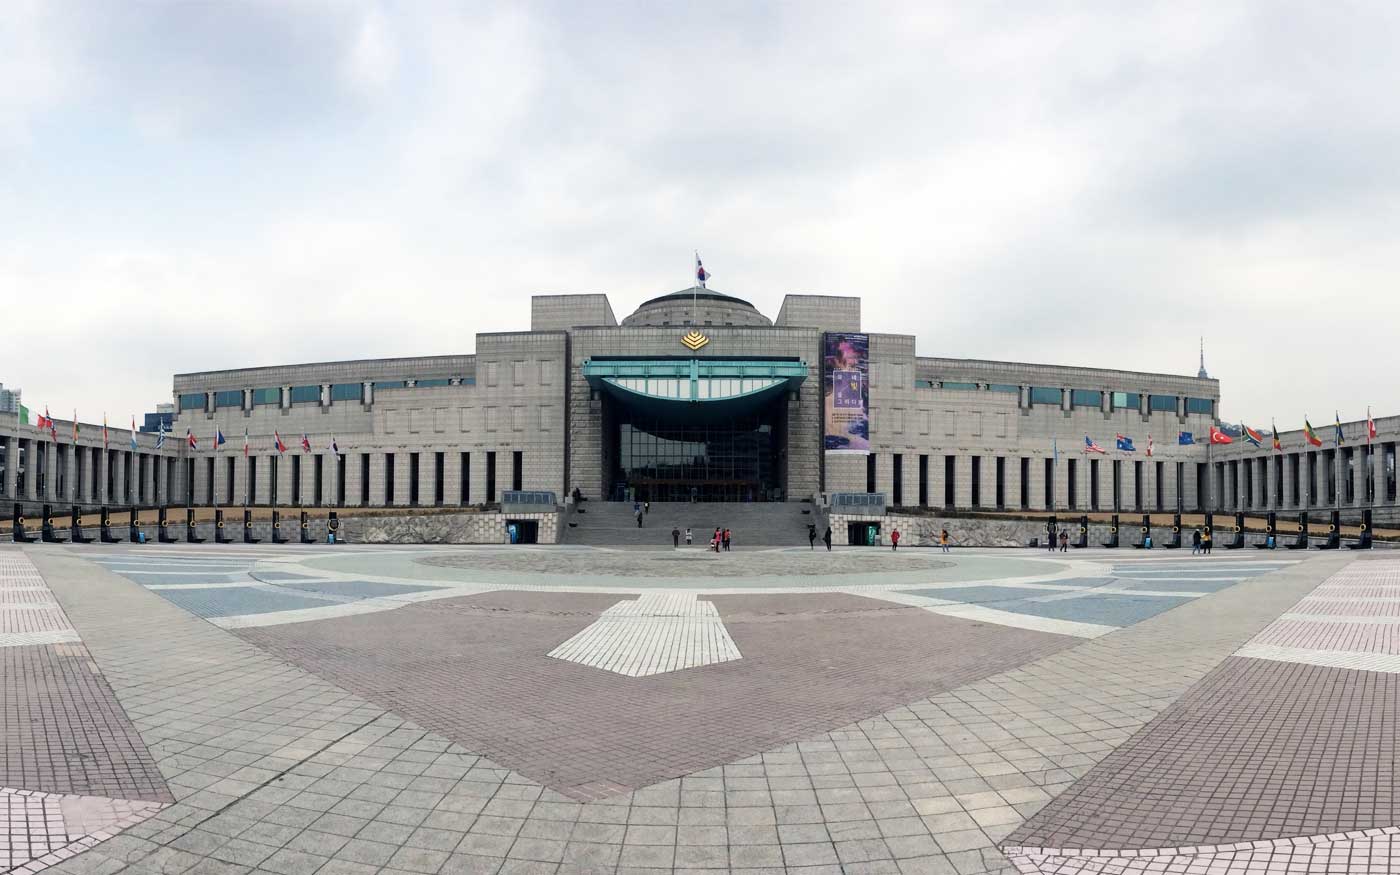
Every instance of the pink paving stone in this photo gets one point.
(1353, 637)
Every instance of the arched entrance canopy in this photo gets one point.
(687, 387)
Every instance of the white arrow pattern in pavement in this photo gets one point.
(653, 634)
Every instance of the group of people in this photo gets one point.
(812, 537)
(719, 541)
(1200, 542)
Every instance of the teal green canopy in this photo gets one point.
(672, 387)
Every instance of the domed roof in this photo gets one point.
(699, 305)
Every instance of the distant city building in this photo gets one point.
(9, 400)
(164, 415)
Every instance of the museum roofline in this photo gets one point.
(1023, 366)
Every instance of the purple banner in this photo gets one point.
(846, 376)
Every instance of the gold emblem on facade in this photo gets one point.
(694, 340)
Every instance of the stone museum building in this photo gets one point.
(695, 396)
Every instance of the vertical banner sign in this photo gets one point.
(846, 375)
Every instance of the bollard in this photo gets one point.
(76, 525)
(134, 527)
(18, 531)
(333, 529)
(305, 530)
(46, 531)
(105, 532)
(1270, 532)
(163, 526)
(248, 527)
(1174, 542)
(220, 536)
(1112, 541)
(191, 528)
(1083, 540)
(277, 528)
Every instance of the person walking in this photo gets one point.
(1195, 542)
(812, 536)
(718, 539)
(726, 540)
(646, 507)
(675, 538)
(827, 539)
(1064, 540)
(894, 540)
(1052, 538)
(943, 540)
(639, 518)
(687, 536)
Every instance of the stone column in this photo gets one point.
(1036, 492)
(937, 477)
(284, 480)
(352, 479)
(119, 485)
(427, 461)
(962, 481)
(1061, 484)
(369, 393)
(376, 479)
(1013, 482)
(72, 489)
(262, 481)
(401, 478)
(11, 460)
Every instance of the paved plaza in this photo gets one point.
(356, 709)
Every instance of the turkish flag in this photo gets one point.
(1219, 437)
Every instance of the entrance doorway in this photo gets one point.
(523, 531)
(863, 534)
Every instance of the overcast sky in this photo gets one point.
(192, 186)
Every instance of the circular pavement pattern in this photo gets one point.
(683, 563)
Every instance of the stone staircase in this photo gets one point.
(612, 524)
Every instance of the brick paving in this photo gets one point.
(477, 671)
(277, 770)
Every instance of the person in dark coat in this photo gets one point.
(812, 536)
(675, 537)
(827, 539)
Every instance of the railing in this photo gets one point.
(858, 502)
(528, 500)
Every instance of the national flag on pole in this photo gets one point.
(1252, 436)
(193, 441)
(218, 438)
(75, 425)
(1219, 437)
(1370, 426)
(245, 442)
(1185, 438)
(305, 443)
(133, 432)
(1055, 449)
(1309, 434)
(1339, 429)
(104, 431)
(1278, 444)
(160, 436)
(1125, 444)
(46, 422)
(1091, 447)
(335, 448)
(700, 273)
(277, 442)
(1149, 445)
(22, 417)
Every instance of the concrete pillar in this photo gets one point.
(352, 479)
(308, 479)
(70, 474)
(1062, 476)
(1013, 481)
(262, 481)
(284, 480)
(962, 481)
(1361, 466)
(208, 403)
(376, 479)
(247, 400)
(369, 392)
(325, 395)
(401, 474)
(1037, 482)
(910, 475)
(937, 478)
(11, 460)
(427, 462)
(119, 495)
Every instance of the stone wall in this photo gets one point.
(916, 531)
(444, 528)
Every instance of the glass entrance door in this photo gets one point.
(724, 459)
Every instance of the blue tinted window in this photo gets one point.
(1045, 396)
(1199, 405)
(469, 381)
(1126, 400)
(192, 401)
(388, 384)
(1162, 402)
(263, 397)
(1003, 387)
(232, 398)
(429, 383)
(1085, 398)
(962, 387)
(303, 394)
(347, 391)
(923, 384)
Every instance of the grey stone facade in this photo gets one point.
(458, 430)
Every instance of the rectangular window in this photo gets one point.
(433, 383)
(228, 400)
(266, 397)
(1050, 484)
(192, 401)
(1001, 483)
(364, 479)
(1165, 403)
(976, 481)
(1051, 397)
(1085, 398)
(1093, 484)
(306, 394)
(189, 481)
(898, 480)
(949, 480)
(958, 387)
(1199, 405)
(1330, 457)
(296, 480)
(491, 373)
(546, 372)
(232, 491)
(490, 477)
(437, 478)
(1004, 387)
(1126, 400)
(923, 384)
(389, 384)
(1137, 485)
(317, 481)
(347, 391)
(870, 473)
(517, 373)
(466, 474)
(1348, 476)
(340, 481)
(1073, 482)
(517, 470)
(923, 480)
(209, 495)
(1311, 497)
(388, 478)
(413, 479)
(517, 418)
(1025, 482)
